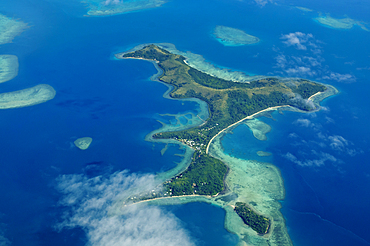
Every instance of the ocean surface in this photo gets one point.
(323, 156)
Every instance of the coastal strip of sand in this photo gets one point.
(246, 118)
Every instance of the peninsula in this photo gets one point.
(211, 176)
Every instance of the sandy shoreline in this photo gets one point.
(314, 95)
(168, 197)
(246, 118)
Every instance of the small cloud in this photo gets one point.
(329, 120)
(3, 240)
(363, 68)
(303, 122)
(290, 157)
(297, 71)
(320, 161)
(107, 2)
(301, 103)
(293, 135)
(262, 3)
(297, 39)
(337, 142)
(350, 63)
(324, 108)
(346, 78)
(299, 66)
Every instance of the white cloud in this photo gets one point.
(293, 135)
(363, 68)
(300, 71)
(337, 142)
(329, 120)
(303, 122)
(297, 39)
(347, 78)
(320, 161)
(306, 62)
(305, 66)
(3, 240)
(107, 2)
(262, 3)
(96, 206)
(299, 102)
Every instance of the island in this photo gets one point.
(229, 36)
(27, 97)
(83, 143)
(257, 222)
(246, 189)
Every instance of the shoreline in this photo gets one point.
(246, 118)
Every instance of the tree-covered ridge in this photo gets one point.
(204, 176)
(257, 222)
(228, 101)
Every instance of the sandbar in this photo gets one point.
(304, 9)
(229, 36)
(259, 128)
(27, 97)
(111, 7)
(8, 67)
(263, 153)
(343, 23)
(9, 28)
(83, 143)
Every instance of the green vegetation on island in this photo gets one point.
(228, 102)
(204, 176)
(257, 222)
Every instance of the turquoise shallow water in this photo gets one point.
(116, 104)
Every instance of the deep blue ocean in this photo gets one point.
(323, 156)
